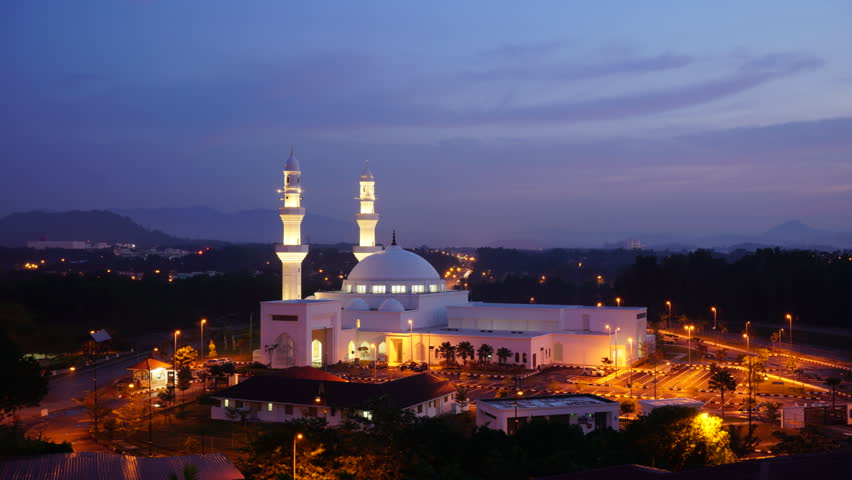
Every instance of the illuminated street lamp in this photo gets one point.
(618, 301)
(715, 325)
(632, 357)
(789, 318)
(298, 437)
(689, 330)
(174, 358)
(375, 361)
(518, 393)
(609, 337)
(617, 329)
(668, 320)
(203, 321)
(411, 337)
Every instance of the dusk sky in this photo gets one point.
(481, 120)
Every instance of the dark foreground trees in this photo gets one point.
(394, 444)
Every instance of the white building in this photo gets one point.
(589, 412)
(394, 306)
(300, 394)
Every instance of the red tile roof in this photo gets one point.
(309, 373)
(150, 364)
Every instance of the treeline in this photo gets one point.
(762, 286)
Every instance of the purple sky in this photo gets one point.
(482, 120)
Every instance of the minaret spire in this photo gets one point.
(367, 217)
(393, 240)
(290, 251)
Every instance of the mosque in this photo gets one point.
(395, 307)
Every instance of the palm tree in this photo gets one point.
(484, 352)
(503, 353)
(722, 381)
(448, 351)
(465, 351)
(832, 383)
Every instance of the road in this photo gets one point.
(62, 389)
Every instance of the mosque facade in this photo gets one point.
(395, 307)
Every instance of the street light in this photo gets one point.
(689, 330)
(518, 393)
(411, 337)
(609, 337)
(203, 321)
(713, 309)
(375, 362)
(295, 439)
(618, 301)
(789, 318)
(749, 372)
(174, 359)
(617, 329)
(668, 320)
(630, 378)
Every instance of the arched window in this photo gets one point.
(524, 359)
(517, 357)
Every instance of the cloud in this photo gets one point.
(563, 73)
(516, 51)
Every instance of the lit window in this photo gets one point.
(378, 289)
(360, 289)
(226, 403)
(433, 288)
(357, 323)
(418, 288)
(269, 407)
(347, 288)
(397, 288)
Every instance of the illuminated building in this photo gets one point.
(366, 217)
(589, 412)
(290, 251)
(393, 306)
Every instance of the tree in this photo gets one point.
(190, 472)
(503, 353)
(676, 438)
(92, 410)
(448, 351)
(461, 393)
(722, 381)
(832, 383)
(628, 406)
(772, 411)
(184, 376)
(484, 352)
(166, 397)
(211, 349)
(269, 350)
(23, 383)
(132, 416)
(185, 357)
(464, 351)
(363, 350)
(606, 362)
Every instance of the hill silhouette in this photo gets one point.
(17, 229)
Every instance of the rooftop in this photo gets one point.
(540, 306)
(548, 401)
(89, 465)
(405, 392)
(150, 364)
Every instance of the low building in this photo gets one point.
(648, 406)
(280, 398)
(590, 412)
(155, 370)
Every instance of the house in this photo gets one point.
(291, 396)
(590, 412)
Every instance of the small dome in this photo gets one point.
(357, 304)
(367, 175)
(292, 164)
(311, 297)
(391, 305)
(393, 264)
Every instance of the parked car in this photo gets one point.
(217, 361)
(378, 365)
(593, 372)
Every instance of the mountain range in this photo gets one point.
(191, 225)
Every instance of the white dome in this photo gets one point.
(292, 164)
(357, 304)
(391, 305)
(393, 264)
(311, 297)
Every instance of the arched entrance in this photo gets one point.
(383, 352)
(351, 354)
(316, 353)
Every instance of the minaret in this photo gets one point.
(367, 218)
(290, 251)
